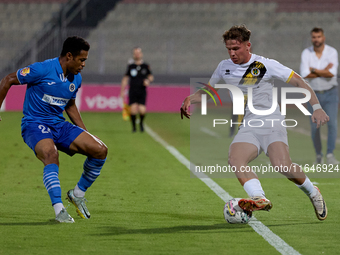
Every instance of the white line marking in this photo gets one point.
(210, 132)
(307, 133)
(273, 239)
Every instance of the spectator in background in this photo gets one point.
(319, 64)
(139, 76)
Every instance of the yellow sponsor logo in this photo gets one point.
(25, 71)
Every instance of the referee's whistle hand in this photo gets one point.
(146, 82)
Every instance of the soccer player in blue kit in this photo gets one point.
(52, 86)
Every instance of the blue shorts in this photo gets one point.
(62, 134)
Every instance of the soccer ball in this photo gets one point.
(234, 214)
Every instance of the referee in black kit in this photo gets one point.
(138, 75)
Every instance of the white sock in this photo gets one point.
(78, 192)
(308, 188)
(253, 188)
(57, 208)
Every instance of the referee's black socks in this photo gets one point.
(133, 120)
(141, 116)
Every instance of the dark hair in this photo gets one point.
(316, 30)
(239, 33)
(136, 48)
(74, 45)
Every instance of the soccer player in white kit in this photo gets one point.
(244, 70)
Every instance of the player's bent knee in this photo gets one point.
(48, 156)
(104, 151)
(100, 152)
(235, 161)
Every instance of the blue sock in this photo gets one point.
(52, 183)
(92, 167)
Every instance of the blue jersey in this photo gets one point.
(48, 91)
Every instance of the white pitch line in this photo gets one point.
(210, 132)
(307, 132)
(273, 239)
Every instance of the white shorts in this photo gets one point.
(261, 137)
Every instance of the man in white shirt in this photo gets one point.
(319, 65)
(245, 70)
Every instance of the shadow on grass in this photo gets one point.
(40, 223)
(112, 231)
(167, 215)
(232, 228)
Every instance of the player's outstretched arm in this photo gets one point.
(74, 114)
(192, 99)
(319, 116)
(5, 85)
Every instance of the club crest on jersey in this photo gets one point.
(253, 74)
(72, 87)
(25, 71)
(255, 71)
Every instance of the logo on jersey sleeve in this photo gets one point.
(254, 74)
(72, 87)
(25, 71)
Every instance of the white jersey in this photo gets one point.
(259, 73)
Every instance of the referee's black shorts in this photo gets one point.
(138, 97)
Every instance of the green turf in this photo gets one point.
(145, 202)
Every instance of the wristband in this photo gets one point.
(316, 107)
(313, 70)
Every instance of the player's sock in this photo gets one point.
(253, 188)
(308, 188)
(133, 120)
(141, 122)
(92, 167)
(52, 183)
(57, 208)
(78, 192)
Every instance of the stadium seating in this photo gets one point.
(20, 21)
(184, 37)
(178, 36)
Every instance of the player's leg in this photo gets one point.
(47, 152)
(40, 139)
(278, 153)
(331, 108)
(96, 151)
(240, 154)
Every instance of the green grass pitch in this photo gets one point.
(145, 202)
